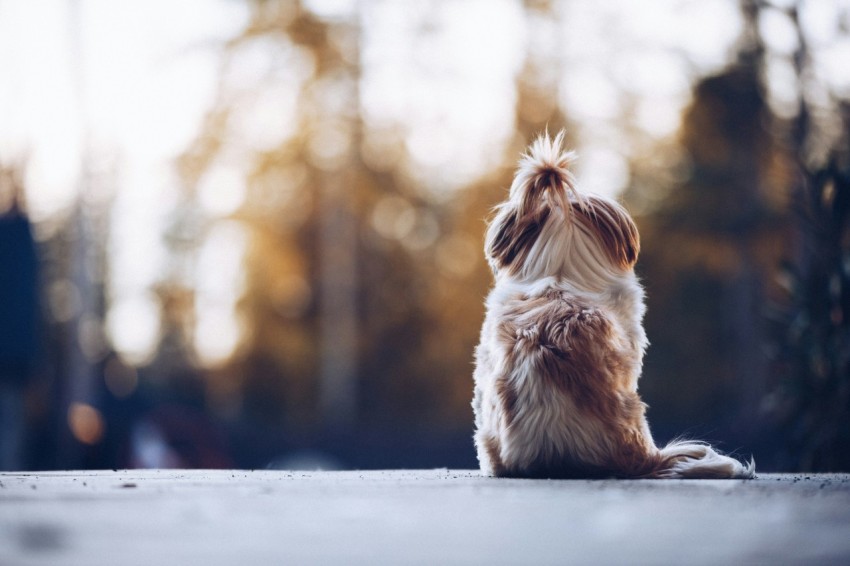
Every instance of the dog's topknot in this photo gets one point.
(545, 171)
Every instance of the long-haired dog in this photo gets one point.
(562, 344)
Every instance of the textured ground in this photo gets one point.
(416, 517)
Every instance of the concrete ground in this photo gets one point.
(416, 517)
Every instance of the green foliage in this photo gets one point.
(812, 399)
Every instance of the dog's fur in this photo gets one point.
(562, 343)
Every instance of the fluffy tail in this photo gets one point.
(698, 460)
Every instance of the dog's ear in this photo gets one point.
(511, 235)
(615, 228)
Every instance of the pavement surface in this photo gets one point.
(242, 517)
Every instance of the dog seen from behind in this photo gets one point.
(562, 342)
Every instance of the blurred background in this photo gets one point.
(245, 233)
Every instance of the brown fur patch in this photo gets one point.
(572, 359)
(570, 344)
(615, 228)
(549, 179)
(508, 397)
(515, 237)
(564, 339)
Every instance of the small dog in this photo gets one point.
(562, 344)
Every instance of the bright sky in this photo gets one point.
(128, 82)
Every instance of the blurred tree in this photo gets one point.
(19, 317)
(810, 399)
(343, 300)
(298, 198)
(708, 250)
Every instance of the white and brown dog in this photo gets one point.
(562, 344)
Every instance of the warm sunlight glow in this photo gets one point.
(452, 90)
(220, 284)
(133, 326)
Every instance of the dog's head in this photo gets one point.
(547, 228)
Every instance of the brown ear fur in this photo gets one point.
(515, 235)
(616, 229)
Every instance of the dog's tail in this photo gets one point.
(698, 460)
(545, 172)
